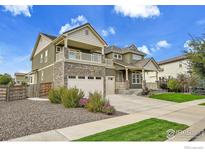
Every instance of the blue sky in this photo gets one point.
(160, 31)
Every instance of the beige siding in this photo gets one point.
(43, 42)
(127, 58)
(80, 36)
(150, 66)
(47, 75)
(110, 56)
(172, 69)
(51, 58)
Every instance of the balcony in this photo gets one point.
(76, 55)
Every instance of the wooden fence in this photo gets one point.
(11, 93)
(39, 90)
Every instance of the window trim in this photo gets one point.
(118, 56)
(139, 78)
(41, 58)
(46, 56)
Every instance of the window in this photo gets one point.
(117, 56)
(73, 54)
(41, 58)
(180, 65)
(58, 49)
(98, 78)
(81, 77)
(71, 77)
(46, 56)
(90, 77)
(86, 32)
(136, 78)
(42, 74)
(136, 57)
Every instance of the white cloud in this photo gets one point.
(137, 11)
(201, 22)
(144, 49)
(109, 31)
(18, 9)
(74, 22)
(162, 44)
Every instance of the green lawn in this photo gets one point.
(176, 97)
(147, 130)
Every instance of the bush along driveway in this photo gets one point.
(177, 97)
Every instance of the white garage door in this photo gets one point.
(86, 83)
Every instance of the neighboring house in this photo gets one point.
(170, 68)
(20, 78)
(81, 58)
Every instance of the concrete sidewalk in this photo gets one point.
(79, 131)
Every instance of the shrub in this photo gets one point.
(145, 91)
(163, 85)
(83, 102)
(108, 109)
(173, 85)
(95, 102)
(54, 95)
(71, 97)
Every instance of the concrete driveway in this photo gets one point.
(187, 113)
(133, 103)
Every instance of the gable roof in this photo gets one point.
(50, 37)
(130, 49)
(54, 38)
(91, 27)
(138, 64)
(174, 59)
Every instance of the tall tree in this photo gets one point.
(196, 54)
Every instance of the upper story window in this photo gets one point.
(73, 54)
(136, 57)
(46, 56)
(41, 58)
(180, 65)
(117, 56)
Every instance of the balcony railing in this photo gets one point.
(81, 56)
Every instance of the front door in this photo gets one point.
(110, 85)
(119, 76)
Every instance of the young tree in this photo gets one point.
(196, 54)
(5, 79)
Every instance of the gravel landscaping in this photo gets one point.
(25, 117)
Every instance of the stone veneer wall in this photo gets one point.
(58, 74)
(83, 70)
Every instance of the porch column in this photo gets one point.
(143, 79)
(126, 74)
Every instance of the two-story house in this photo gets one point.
(81, 58)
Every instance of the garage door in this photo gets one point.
(86, 83)
(110, 85)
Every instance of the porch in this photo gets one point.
(69, 50)
(129, 78)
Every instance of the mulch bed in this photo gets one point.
(25, 117)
